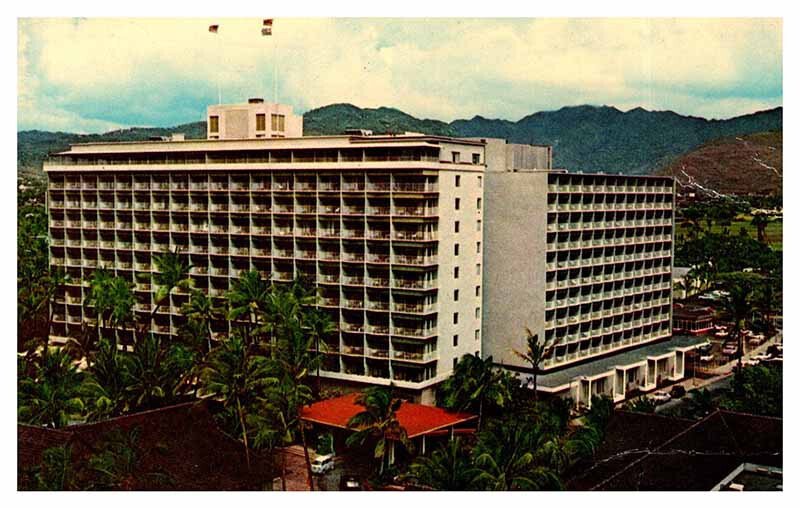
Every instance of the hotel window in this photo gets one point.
(458, 203)
(213, 124)
(479, 203)
(455, 272)
(480, 181)
(455, 295)
(477, 247)
(478, 225)
(477, 291)
(261, 121)
(477, 269)
(477, 312)
(455, 250)
(455, 362)
(278, 123)
(455, 340)
(458, 180)
(455, 318)
(456, 157)
(476, 158)
(457, 224)
(477, 335)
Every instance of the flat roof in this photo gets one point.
(417, 419)
(316, 142)
(607, 363)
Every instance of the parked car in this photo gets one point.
(677, 392)
(322, 464)
(750, 362)
(730, 349)
(350, 482)
(707, 358)
(761, 357)
(660, 397)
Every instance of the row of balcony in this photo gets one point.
(397, 211)
(606, 225)
(599, 189)
(606, 277)
(606, 295)
(596, 350)
(607, 242)
(609, 206)
(274, 186)
(564, 341)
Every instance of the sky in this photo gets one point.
(94, 75)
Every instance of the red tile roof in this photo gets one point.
(417, 419)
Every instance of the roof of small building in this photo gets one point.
(417, 419)
(181, 443)
(654, 452)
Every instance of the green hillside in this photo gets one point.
(585, 138)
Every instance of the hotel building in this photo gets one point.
(423, 248)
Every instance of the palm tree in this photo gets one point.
(106, 383)
(52, 397)
(277, 419)
(201, 310)
(475, 384)
(155, 373)
(249, 299)
(536, 354)
(738, 304)
(379, 422)
(236, 377)
(508, 455)
(172, 272)
(318, 325)
(448, 468)
(100, 298)
(760, 222)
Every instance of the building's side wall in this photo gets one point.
(528, 156)
(514, 259)
(469, 239)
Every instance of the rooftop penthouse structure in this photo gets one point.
(422, 248)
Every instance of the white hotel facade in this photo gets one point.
(423, 248)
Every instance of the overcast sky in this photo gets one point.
(93, 75)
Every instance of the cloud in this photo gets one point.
(94, 74)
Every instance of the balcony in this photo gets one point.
(414, 235)
(378, 234)
(378, 353)
(414, 187)
(378, 282)
(378, 305)
(413, 308)
(414, 332)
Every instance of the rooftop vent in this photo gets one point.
(255, 100)
(358, 132)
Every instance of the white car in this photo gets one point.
(707, 358)
(660, 397)
(322, 464)
(761, 357)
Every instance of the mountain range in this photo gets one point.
(584, 138)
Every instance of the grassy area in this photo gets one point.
(774, 231)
